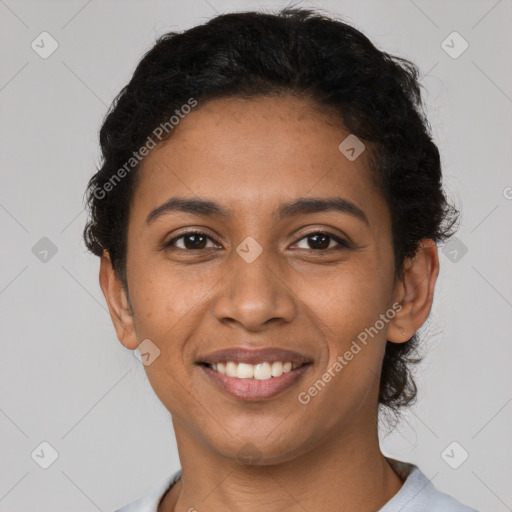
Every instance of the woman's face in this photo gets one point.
(260, 276)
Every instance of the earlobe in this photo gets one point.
(415, 292)
(117, 302)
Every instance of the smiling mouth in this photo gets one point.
(260, 371)
(254, 382)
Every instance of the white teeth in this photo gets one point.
(260, 371)
(277, 369)
(231, 369)
(245, 371)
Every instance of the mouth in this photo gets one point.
(254, 374)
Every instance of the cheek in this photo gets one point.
(349, 311)
(162, 296)
(169, 305)
(166, 311)
(351, 298)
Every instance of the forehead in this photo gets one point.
(254, 153)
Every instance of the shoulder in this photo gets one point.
(150, 501)
(418, 493)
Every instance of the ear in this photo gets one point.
(415, 292)
(118, 304)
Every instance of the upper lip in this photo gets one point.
(254, 356)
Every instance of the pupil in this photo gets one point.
(194, 245)
(322, 244)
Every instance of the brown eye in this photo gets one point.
(321, 241)
(192, 240)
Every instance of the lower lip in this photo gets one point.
(254, 389)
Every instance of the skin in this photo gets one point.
(251, 155)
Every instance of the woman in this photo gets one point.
(267, 214)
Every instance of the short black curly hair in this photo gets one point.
(295, 51)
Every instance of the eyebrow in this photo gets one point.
(300, 206)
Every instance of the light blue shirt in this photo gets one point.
(417, 494)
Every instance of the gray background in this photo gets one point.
(64, 377)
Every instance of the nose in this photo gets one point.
(254, 295)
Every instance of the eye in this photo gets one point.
(321, 241)
(192, 240)
(197, 240)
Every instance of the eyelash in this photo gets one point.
(342, 244)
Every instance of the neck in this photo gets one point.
(345, 472)
(347, 477)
